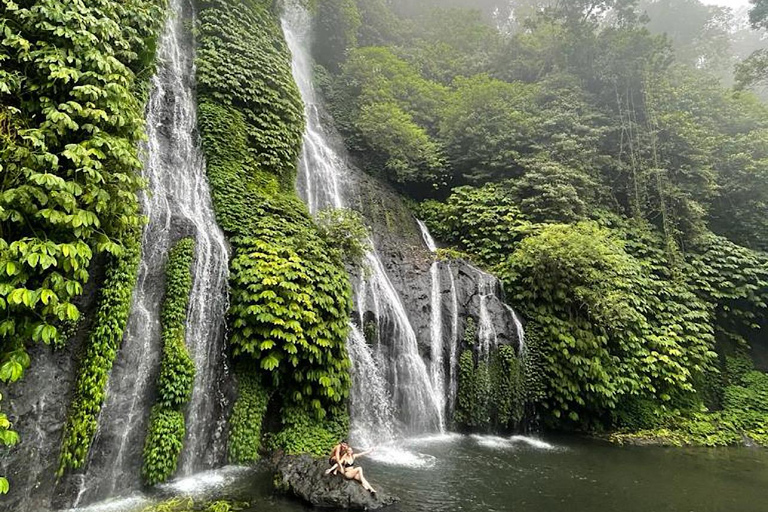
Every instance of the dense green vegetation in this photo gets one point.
(742, 415)
(100, 352)
(246, 420)
(601, 170)
(165, 437)
(71, 96)
(290, 295)
(491, 391)
(190, 505)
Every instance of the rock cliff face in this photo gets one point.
(407, 261)
(305, 478)
(38, 411)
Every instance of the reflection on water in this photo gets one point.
(453, 473)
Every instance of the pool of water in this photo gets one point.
(455, 473)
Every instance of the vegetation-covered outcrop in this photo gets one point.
(290, 295)
(606, 175)
(165, 437)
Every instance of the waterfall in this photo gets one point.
(370, 402)
(486, 332)
(418, 403)
(177, 204)
(321, 183)
(438, 341)
(519, 331)
(427, 236)
(453, 360)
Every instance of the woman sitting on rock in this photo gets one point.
(346, 465)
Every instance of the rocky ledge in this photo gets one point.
(304, 477)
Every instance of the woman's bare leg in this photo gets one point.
(357, 474)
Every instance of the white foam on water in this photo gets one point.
(206, 481)
(434, 439)
(508, 443)
(127, 504)
(533, 442)
(493, 442)
(398, 456)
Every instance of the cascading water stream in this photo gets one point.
(418, 403)
(438, 341)
(371, 400)
(486, 332)
(520, 331)
(321, 184)
(177, 204)
(453, 360)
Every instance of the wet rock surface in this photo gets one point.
(407, 261)
(305, 478)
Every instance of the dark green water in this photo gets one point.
(483, 474)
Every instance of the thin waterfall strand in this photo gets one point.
(438, 343)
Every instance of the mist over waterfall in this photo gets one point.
(177, 204)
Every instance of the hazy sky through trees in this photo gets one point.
(728, 3)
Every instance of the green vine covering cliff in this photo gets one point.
(290, 295)
(165, 437)
(619, 192)
(71, 105)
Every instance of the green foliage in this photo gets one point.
(483, 222)
(490, 394)
(344, 231)
(8, 438)
(189, 505)
(445, 43)
(100, 352)
(163, 444)
(579, 113)
(613, 329)
(735, 280)
(404, 149)
(465, 395)
(489, 126)
(551, 192)
(506, 396)
(470, 331)
(389, 114)
(302, 433)
(247, 417)
(290, 295)
(177, 370)
(290, 306)
(337, 24)
(71, 93)
(247, 73)
(743, 418)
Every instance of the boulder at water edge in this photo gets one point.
(304, 477)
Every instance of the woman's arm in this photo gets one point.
(335, 466)
(361, 454)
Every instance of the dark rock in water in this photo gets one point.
(305, 478)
